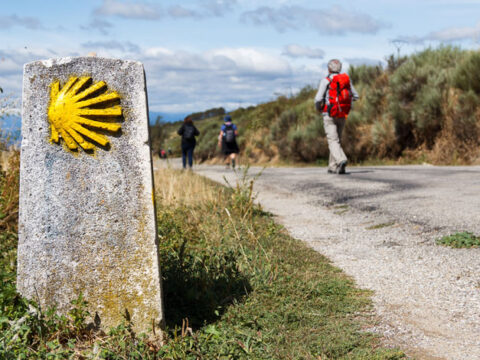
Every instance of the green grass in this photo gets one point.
(236, 286)
(460, 240)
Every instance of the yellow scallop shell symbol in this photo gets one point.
(81, 111)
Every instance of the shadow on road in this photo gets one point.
(359, 172)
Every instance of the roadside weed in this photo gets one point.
(460, 240)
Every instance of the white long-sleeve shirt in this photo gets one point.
(322, 90)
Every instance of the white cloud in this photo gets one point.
(451, 34)
(219, 7)
(205, 9)
(185, 81)
(456, 34)
(249, 61)
(7, 22)
(363, 61)
(150, 11)
(298, 51)
(96, 23)
(164, 60)
(333, 21)
(112, 45)
(8, 66)
(129, 10)
(179, 11)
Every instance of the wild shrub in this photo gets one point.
(207, 141)
(316, 142)
(306, 93)
(287, 119)
(356, 138)
(394, 62)
(364, 74)
(417, 90)
(427, 112)
(384, 139)
(467, 73)
(467, 124)
(373, 103)
(306, 143)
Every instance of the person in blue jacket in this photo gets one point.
(227, 140)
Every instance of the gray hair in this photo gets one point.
(334, 66)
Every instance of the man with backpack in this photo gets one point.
(188, 131)
(334, 99)
(227, 139)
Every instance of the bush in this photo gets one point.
(418, 89)
(364, 74)
(467, 74)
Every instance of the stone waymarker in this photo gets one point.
(87, 215)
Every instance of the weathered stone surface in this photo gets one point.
(87, 220)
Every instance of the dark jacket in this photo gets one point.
(182, 133)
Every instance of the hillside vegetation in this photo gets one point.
(420, 108)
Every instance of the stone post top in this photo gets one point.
(77, 59)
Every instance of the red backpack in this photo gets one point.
(339, 96)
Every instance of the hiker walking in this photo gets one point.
(188, 131)
(227, 140)
(334, 99)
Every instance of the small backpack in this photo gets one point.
(189, 133)
(339, 96)
(229, 134)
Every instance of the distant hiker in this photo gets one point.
(169, 151)
(163, 154)
(334, 99)
(188, 131)
(227, 140)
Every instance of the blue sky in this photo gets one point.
(200, 54)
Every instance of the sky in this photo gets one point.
(200, 54)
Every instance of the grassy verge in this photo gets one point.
(236, 286)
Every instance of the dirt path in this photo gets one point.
(379, 224)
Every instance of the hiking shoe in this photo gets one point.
(341, 167)
(329, 171)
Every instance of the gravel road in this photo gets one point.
(379, 224)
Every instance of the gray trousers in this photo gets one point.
(333, 129)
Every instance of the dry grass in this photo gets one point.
(174, 187)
